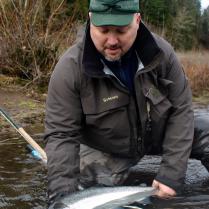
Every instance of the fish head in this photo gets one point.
(59, 205)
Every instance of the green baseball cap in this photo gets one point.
(113, 12)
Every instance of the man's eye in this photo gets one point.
(121, 31)
(104, 31)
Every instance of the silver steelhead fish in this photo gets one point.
(104, 197)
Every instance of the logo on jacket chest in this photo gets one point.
(108, 99)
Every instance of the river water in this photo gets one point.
(23, 178)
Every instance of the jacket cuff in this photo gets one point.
(176, 185)
(56, 196)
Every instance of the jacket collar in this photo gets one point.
(145, 46)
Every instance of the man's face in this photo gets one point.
(114, 41)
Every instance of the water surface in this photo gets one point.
(23, 178)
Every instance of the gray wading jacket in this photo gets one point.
(87, 104)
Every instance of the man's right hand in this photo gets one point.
(163, 191)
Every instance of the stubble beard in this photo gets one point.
(112, 59)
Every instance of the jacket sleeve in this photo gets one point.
(179, 131)
(63, 127)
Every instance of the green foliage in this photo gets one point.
(80, 6)
(183, 30)
(178, 19)
(154, 12)
(204, 29)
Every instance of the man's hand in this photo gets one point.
(163, 191)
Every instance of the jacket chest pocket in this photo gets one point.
(158, 108)
(106, 114)
(159, 105)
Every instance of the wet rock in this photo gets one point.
(147, 169)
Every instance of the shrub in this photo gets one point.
(33, 34)
(196, 65)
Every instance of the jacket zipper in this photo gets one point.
(143, 105)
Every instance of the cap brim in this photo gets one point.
(101, 19)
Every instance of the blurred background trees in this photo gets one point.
(34, 33)
(204, 29)
(178, 20)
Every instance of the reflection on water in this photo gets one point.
(23, 180)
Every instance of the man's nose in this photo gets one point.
(112, 39)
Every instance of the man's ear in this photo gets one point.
(89, 14)
(138, 18)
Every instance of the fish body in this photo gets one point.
(104, 197)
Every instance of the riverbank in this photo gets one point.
(25, 106)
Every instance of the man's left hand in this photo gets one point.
(163, 191)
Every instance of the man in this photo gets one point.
(117, 94)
